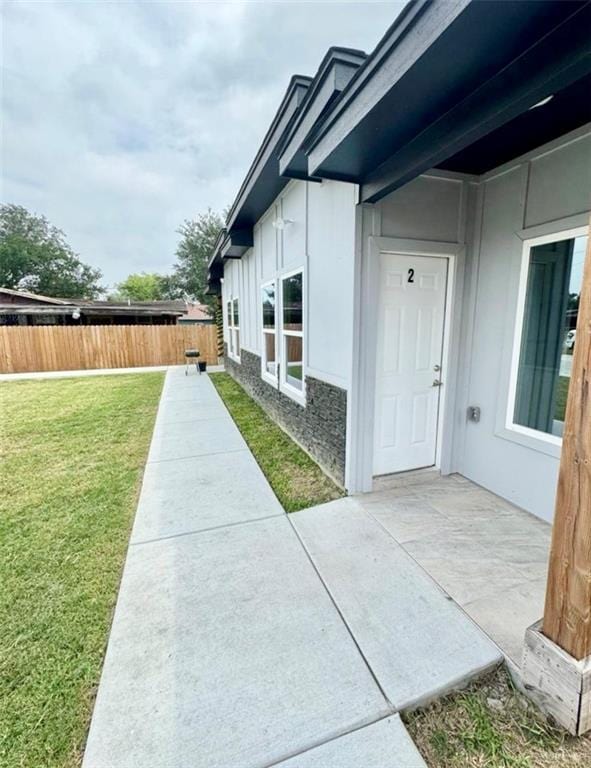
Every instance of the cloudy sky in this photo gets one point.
(123, 118)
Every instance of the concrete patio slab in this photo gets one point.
(470, 573)
(409, 518)
(500, 613)
(384, 744)
(490, 557)
(179, 441)
(194, 494)
(226, 650)
(418, 643)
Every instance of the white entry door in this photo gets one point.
(411, 317)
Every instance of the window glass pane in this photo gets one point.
(269, 306)
(270, 362)
(229, 314)
(236, 318)
(293, 361)
(548, 337)
(236, 342)
(292, 303)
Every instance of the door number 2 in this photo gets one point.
(411, 275)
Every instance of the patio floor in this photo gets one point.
(488, 555)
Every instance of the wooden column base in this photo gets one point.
(559, 684)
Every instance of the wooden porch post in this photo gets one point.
(567, 613)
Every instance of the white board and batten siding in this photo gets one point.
(321, 240)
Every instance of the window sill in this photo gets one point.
(529, 438)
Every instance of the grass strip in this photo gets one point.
(491, 724)
(297, 480)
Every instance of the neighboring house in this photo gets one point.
(401, 266)
(196, 314)
(25, 308)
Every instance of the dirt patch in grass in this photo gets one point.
(297, 480)
(492, 725)
(71, 458)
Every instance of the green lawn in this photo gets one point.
(72, 457)
(492, 725)
(296, 479)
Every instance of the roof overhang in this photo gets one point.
(263, 182)
(34, 296)
(334, 74)
(228, 245)
(237, 243)
(445, 76)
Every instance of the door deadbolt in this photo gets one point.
(436, 367)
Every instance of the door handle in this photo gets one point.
(437, 382)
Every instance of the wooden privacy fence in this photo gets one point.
(72, 348)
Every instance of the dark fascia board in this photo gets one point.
(215, 253)
(338, 122)
(237, 243)
(334, 74)
(266, 154)
(556, 61)
(215, 271)
(443, 52)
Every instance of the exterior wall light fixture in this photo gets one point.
(282, 223)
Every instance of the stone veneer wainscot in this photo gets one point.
(320, 427)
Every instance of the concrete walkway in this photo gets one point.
(239, 641)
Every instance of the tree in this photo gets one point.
(146, 286)
(198, 236)
(34, 256)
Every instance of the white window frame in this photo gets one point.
(233, 329)
(528, 244)
(268, 332)
(299, 395)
